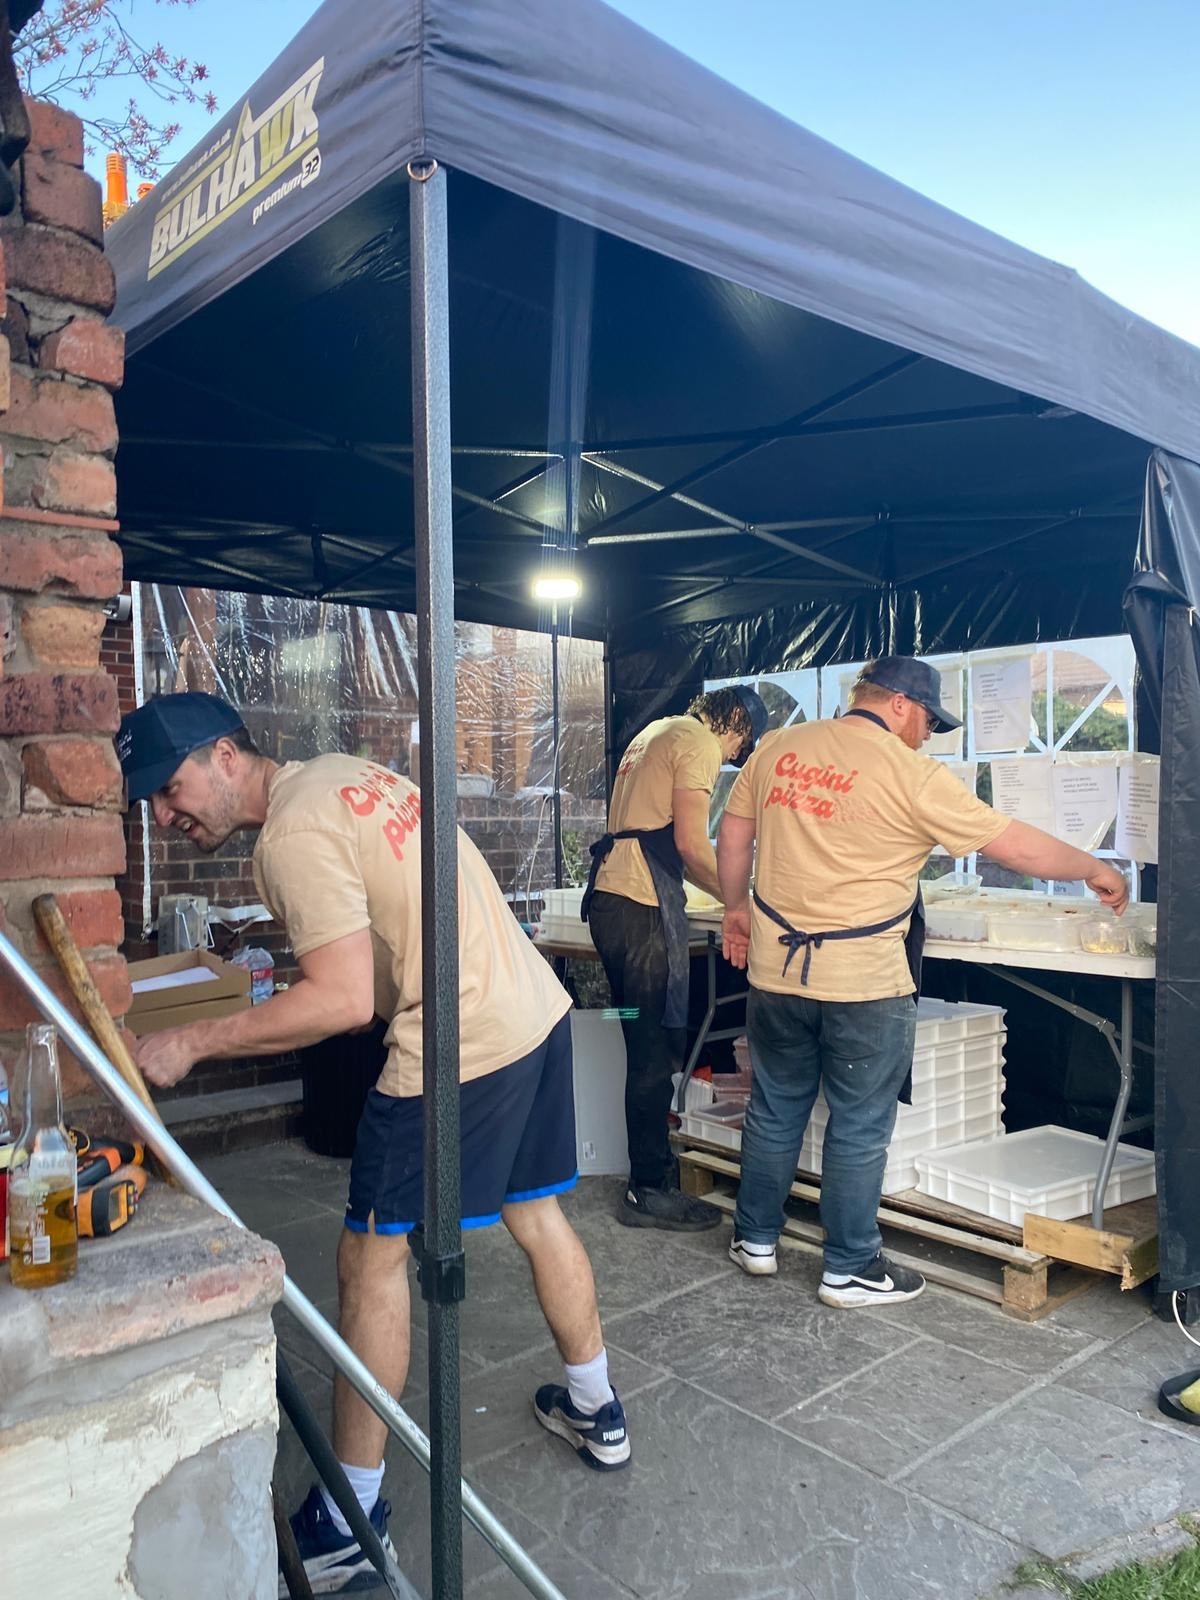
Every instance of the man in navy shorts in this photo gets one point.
(337, 861)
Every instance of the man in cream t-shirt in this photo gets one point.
(844, 814)
(338, 862)
(634, 906)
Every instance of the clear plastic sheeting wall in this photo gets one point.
(310, 678)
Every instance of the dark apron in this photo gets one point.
(666, 873)
(794, 939)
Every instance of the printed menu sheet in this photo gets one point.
(1002, 699)
(1137, 810)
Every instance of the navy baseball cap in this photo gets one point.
(916, 679)
(755, 708)
(154, 740)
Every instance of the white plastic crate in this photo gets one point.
(566, 930)
(1050, 1171)
(939, 1020)
(718, 1124)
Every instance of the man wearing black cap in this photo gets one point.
(634, 904)
(845, 813)
(338, 862)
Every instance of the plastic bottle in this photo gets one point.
(42, 1232)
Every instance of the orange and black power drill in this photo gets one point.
(111, 1181)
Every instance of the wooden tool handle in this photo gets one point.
(95, 1013)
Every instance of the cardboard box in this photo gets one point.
(226, 992)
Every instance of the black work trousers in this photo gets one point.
(633, 950)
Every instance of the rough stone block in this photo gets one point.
(48, 408)
(54, 132)
(15, 329)
(60, 195)
(93, 350)
(43, 702)
(70, 481)
(71, 772)
(34, 562)
(58, 635)
(7, 636)
(61, 847)
(10, 781)
(109, 974)
(60, 267)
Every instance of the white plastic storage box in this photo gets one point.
(1049, 1171)
(719, 1124)
(598, 1047)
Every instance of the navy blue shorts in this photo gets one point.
(518, 1143)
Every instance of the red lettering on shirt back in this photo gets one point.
(802, 789)
(403, 817)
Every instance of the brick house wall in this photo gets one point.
(60, 785)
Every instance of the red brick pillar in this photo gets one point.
(60, 784)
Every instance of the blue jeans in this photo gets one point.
(860, 1052)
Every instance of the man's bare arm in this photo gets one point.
(335, 993)
(689, 808)
(1023, 848)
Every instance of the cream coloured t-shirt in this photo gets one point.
(672, 753)
(845, 817)
(341, 851)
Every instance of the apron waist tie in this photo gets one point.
(794, 939)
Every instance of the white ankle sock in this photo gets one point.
(588, 1384)
(366, 1483)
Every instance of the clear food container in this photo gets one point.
(1029, 930)
(1103, 936)
(957, 922)
(1142, 929)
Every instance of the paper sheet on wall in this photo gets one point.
(948, 744)
(1001, 701)
(1085, 801)
(1023, 789)
(967, 772)
(1137, 809)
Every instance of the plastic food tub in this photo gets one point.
(561, 903)
(1046, 930)
(944, 919)
(719, 1124)
(1103, 936)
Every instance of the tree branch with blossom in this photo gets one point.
(72, 48)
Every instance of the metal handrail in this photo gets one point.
(314, 1324)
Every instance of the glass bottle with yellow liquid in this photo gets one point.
(42, 1234)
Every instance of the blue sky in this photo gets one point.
(1071, 126)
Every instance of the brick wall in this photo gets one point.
(60, 786)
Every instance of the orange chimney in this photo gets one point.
(116, 196)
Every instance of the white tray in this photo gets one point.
(1050, 1171)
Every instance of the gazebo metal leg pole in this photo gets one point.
(556, 735)
(1116, 1126)
(440, 1257)
(356, 1373)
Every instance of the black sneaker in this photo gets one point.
(666, 1208)
(335, 1562)
(883, 1283)
(601, 1439)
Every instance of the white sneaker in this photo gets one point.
(756, 1259)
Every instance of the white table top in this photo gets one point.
(994, 955)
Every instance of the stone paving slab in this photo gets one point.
(1062, 1472)
(887, 1416)
(782, 1450)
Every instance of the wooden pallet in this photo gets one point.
(962, 1250)
(1127, 1245)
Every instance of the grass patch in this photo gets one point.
(1177, 1578)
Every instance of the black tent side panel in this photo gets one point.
(1160, 606)
(657, 670)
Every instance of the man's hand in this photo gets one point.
(735, 935)
(1110, 886)
(166, 1057)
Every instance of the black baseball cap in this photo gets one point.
(154, 740)
(757, 715)
(916, 679)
